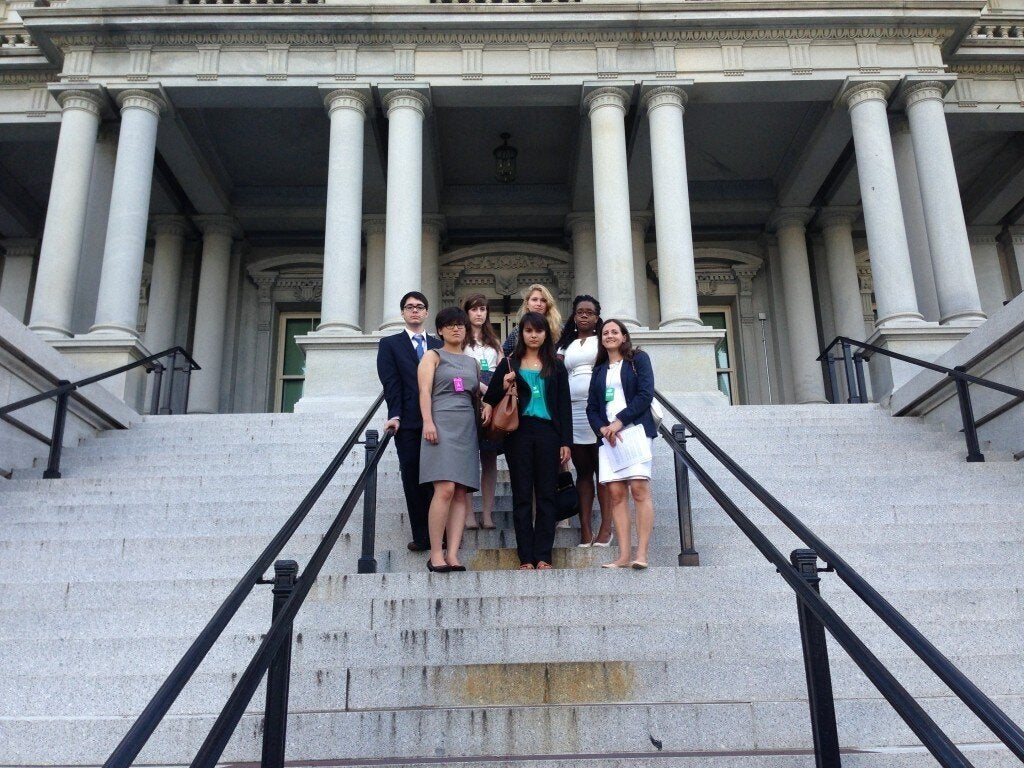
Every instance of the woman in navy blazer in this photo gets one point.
(620, 396)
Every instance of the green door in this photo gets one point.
(718, 317)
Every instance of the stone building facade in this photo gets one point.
(262, 181)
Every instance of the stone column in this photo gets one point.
(883, 217)
(638, 223)
(19, 258)
(124, 250)
(789, 225)
(955, 284)
(373, 305)
(616, 289)
(403, 269)
(170, 234)
(836, 228)
(339, 308)
(677, 278)
(433, 229)
(584, 253)
(211, 306)
(913, 218)
(992, 288)
(1013, 242)
(53, 299)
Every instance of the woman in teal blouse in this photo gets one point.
(540, 446)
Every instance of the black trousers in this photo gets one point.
(417, 497)
(532, 455)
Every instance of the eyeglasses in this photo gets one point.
(414, 308)
(586, 313)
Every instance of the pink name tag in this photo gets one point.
(457, 383)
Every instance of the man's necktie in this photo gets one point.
(418, 338)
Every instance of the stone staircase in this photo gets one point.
(112, 571)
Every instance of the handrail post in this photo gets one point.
(187, 370)
(367, 562)
(154, 407)
(830, 371)
(687, 554)
(819, 677)
(967, 416)
(855, 396)
(278, 676)
(862, 388)
(60, 417)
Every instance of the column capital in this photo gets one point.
(925, 90)
(838, 216)
(375, 224)
(640, 220)
(664, 96)
(86, 101)
(982, 235)
(607, 97)
(406, 98)
(434, 224)
(138, 98)
(784, 218)
(170, 225)
(579, 222)
(19, 246)
(216, 224)
(872, 90)
(346, 98)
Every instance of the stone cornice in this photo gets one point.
(988, 68)
(178, 38)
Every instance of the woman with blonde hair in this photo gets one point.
(536, 298)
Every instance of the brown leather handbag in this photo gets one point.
(504, 415)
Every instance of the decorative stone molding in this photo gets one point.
(473, 62)
(405, 98)
(139, 99)
(78, 62)
(346, 98)
(732, 60)
(41, 76)
(87, 101)
(504, 269)
(208, 66)
(665, 60)
(170, 225)
(405, 61)
(215, 224)
(929, 90)
(838, 216)
(868, 91)
(540, 62)
(345, 62)
(606, 97)
(800, 57)
(138, 62)
(867, 57)
(783, 218)
(664, 96)
(374, 225)
(607, 61)
(277, 62)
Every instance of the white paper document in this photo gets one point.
(632, 447)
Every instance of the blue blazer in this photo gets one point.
(396, 369)
(638, 387)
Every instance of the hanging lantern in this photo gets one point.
(505, 161)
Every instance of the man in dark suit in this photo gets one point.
(398, 357)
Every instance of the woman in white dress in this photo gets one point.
(621, 392)
(485, 347)
(579, 353)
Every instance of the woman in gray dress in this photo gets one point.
(449, 456)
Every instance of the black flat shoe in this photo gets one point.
(455, 568)
(439, 568)
(415, 546)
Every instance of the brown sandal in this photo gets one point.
(526, 567)
(542, 566)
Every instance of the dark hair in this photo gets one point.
(569, 331)
(487, 337)
(626, 348)
(413, 295)
(537, 322)
(453, 316)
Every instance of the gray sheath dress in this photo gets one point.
(456, 457)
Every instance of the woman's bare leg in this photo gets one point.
(488, 483)
(456, 524)
(618, 493)
(437, 519)
(644, 504)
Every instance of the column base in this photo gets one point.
(341, 372)
(925, 341)
(684, 364)
(99, 353)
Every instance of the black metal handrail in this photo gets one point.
(133, 742)
(857, 391)
(64, 389)
(997, 721)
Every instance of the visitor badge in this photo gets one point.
(609, 394)
(459, 386)
(484, 366)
